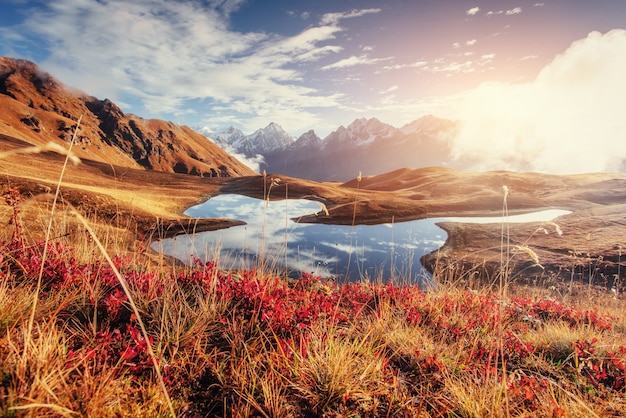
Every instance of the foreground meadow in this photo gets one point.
(85, 334)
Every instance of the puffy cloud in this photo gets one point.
(254, 163)
(569, 119)
(473, 11)
(161, 55)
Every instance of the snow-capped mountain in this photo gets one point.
(266, 140)
(227, 136)
(361, 132)
(269, 139)
(307, 140)
(366, 145)
(429, 125)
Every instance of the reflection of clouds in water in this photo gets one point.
(339, 247)
(265, 221)
(313, 255)
(326, 250)
(390, 250)
(310, 262)
(253, 210)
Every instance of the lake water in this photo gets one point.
(272, 239)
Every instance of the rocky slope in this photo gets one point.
(38, 109)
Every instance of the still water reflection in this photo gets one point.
(339, 251)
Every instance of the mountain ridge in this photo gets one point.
(365, 145)
(39, 109)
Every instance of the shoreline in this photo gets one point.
(149, 204)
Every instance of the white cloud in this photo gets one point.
(168, 53)
(450, 67)
(454, 67)
(417, 64)
(456, 45)
(227, 6)
(390, 89)
(510, 12)
(335, 18)
(164, 54)
(569, 119)
(473, 11)
(352, 61)
(471, 42)
(253, 162)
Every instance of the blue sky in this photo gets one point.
(318, 64)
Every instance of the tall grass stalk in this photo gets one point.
(504, 277)
(57, 193)
(356, 197)
(131, 302)
(266, 200)
(392, 267)
(267, 190)
(286, 228)
(505, 249)
(616, 285)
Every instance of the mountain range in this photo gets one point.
(38, 109)
(366, 145)
(139, 174)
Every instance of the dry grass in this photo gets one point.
(90, 334)
(230, 364)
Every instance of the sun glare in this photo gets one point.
(565, 121)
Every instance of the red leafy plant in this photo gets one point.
(265, 326)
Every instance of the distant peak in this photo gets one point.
(273, 127)
(309, 137)
(365, 121)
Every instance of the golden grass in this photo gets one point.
(375, 363)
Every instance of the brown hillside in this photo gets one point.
(38, 109)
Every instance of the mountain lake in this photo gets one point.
(273, 240)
